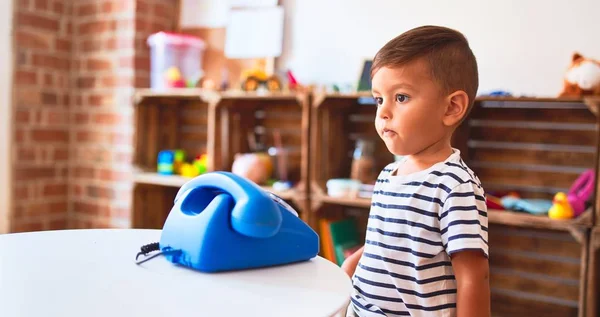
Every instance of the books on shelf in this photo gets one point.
(339, 238)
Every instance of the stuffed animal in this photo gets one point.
(582, 77)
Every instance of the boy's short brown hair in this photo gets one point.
(451, 61)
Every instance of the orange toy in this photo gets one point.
(582, 78)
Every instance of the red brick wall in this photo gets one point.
(77, 65)
(101, 126)
(42, 42)
(110, 60)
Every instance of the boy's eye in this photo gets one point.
(378, 100)
(401, 98)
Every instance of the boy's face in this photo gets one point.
(410, 108)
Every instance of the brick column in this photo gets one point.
(77, 65)
(40, 156)
(110, 60)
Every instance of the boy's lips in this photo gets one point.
(388, 132)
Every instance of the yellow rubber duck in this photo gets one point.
(561, 209)
(189, 170)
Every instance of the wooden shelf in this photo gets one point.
(525, 98)
(320, 98)
(178, 181)
(504, 217)
(160, 180)
(521, 219)
(592, 102)
(176, 93)
(211, 96)
(346, 201)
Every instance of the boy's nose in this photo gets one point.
(384, 111)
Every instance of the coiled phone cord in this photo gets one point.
(147, 248)
(151, 247)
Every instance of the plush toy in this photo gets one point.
(582, 77)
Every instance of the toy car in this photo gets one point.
(254, 78)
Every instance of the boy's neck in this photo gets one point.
(424, 159)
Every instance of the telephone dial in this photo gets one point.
(221, 221)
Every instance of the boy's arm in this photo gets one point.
(471, 269)
(350, 264)
(464, 226)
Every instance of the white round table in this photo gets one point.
(93, 273)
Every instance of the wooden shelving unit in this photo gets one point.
(216, 124)
(536, 146)
(337, 122)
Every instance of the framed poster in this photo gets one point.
(364, 82)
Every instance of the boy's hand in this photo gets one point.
(350, 264)
(471, 269)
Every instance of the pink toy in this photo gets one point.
(581, 191)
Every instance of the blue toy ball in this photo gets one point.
(221, 221)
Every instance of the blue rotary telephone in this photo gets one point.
(221, 221)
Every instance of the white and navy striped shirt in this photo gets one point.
(416, 222)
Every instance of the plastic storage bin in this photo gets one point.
(175, 60)
(343, 187)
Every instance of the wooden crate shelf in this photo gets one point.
(179, 119)
(516, 150)
(241, 114)
(216, 124)
(338, 121)
(535, 146)
(151, 205)
(537, 272)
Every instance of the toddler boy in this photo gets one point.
(426, 249)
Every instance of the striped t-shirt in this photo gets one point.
(416, 222)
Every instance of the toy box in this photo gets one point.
(175, 60)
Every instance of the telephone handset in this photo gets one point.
(246, 218)
(221, 221)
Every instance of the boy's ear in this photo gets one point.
(456, 108)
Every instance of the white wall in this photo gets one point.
(521, 46)
(6, 62)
